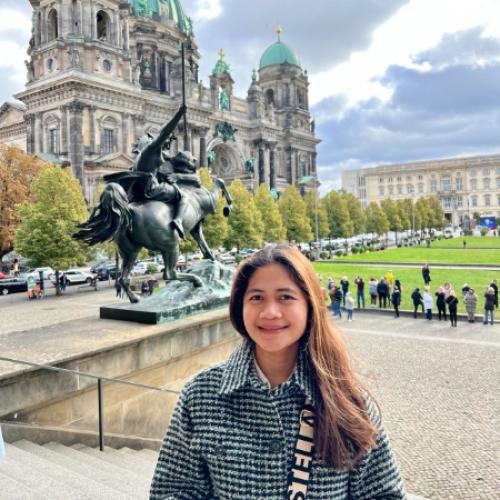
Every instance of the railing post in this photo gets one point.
(101, 414)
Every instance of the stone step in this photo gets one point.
(84, 487)
(13, 490)
(129, 482)
(24, 470)
(130, 463)
(141, 455)
(81, 464)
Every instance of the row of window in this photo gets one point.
(444, 178)
(433, 186)
(107, 146)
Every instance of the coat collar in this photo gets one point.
(239, 371)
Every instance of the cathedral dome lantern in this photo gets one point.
(278, 53)
(221, 84)
(166, 11)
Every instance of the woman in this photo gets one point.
(372, 288)
(418, 301)
(427, 300)
(396, 300)
(441, 303)
(235, 431)
(452, 302)
(470, 301)
(489, 305)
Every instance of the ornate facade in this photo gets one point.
(101, 73)
(464, 185)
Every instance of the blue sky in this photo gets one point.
(390, 80)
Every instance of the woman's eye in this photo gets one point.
(255, 298)
(287, 297)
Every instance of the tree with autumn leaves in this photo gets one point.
(17, 170)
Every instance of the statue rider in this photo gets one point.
(155, 174)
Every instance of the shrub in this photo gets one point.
(339, 253)
(484, 231)
(152, 268)
(323, 255)
(355, 249)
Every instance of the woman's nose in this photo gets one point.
(271, 309)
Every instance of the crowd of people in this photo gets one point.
(387, 292)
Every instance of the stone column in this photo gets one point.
(64, 130)
(76, 140)
(66, 18)
(125, 29)
(314, 158)
(272, 166)
(92, 110)
(125, 132)
(38, 133)
(30, 133)
(85, 21)
(260, 143)
(203, 147)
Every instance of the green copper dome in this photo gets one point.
(163, 11)
(278, 53)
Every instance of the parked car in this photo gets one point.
(226, 258)
(102, 263)
(107, 272)
(13, 285)
(144, 267)
(48, 273)
(74, 277)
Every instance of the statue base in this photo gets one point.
(178, 299)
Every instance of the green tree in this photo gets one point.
(338, 215)
(47, 225)
(215, 226)
(404, 215)
(376, 220)
(437, 217)
(313, 207)
(274, 230)
(356, 213)
(245, 224)
(293, 213)
(17, 170)
(425, 217)
(391, 211)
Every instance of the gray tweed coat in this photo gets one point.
(231, 437)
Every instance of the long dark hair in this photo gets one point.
(344, 431)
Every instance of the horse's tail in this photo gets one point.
(110, 216)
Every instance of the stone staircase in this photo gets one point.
(54, 471)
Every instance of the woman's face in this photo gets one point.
(274, 310)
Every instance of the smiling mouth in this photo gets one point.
(271, 329)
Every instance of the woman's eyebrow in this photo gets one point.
(283, 289)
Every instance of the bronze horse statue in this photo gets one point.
(150, 223)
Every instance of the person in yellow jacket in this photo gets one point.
(390, 279)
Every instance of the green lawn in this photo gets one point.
(430, 255)
(410, 279)
(472, 242)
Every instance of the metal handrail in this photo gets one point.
(99, 378)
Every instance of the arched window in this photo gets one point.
(53, 30)
(75, 12)
(269, 98)
(102, 25)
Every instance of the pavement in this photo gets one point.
(437, 386)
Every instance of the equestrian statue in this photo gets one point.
(154, 205)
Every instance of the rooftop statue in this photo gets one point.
(153, 205)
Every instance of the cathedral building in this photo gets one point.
(102, 73)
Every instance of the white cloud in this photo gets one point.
(14, 20)
(206, 10)
(417, 26)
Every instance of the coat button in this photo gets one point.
(275, 445)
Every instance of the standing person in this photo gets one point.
(360, 291)
(390, 279)
(427, 300)
(489, 305)
(338, 296)
(494, 285)
(441, 303)
(396, 300)
(465, 289)
(344, 283)
(235, 430)
(418, 301)
(372, 288)
(452, 302)
(15, 267)
(42, 284)
(465, 244)
(383, 293)
(63, 282)
(447, 287)
(470, 302)
(426, 274)
(331, 283)
(349, 305)
(144, 288)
